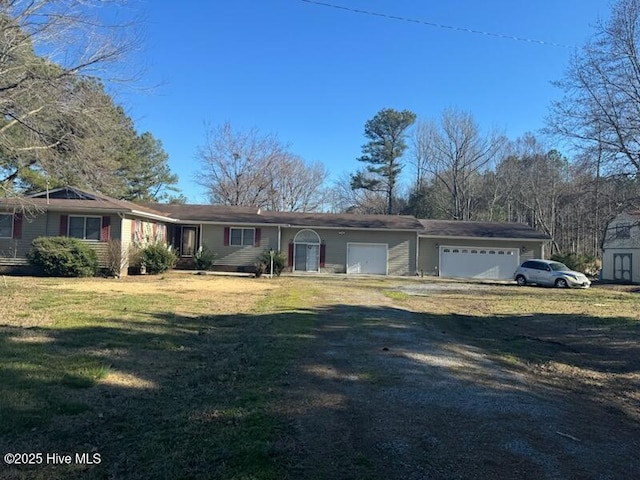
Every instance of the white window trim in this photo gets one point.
(10, 215)
(85, 227)
(241, 244)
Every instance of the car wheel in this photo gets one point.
(561, 283)
(521, 281)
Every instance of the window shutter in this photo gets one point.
(17, 226)
(105, 231)
(64, 221)
(290, 259)
(322, 254)
(226, 236)
(257, 239)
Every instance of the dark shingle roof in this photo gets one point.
(87, 202)
(233, 214)
(78, 200)
(206, 213)
(344, 220)
(456, 228)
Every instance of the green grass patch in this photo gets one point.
(396, 295)
(185, 393)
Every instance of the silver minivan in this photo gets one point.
(550, 273)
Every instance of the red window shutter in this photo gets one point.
(105, 231)
(17, 226)
(64, 221)
(322, 254)
(226, 236)
(290, 259)
(257, 239)
(134, 226)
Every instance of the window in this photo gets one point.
(85, 228)
(623, 230)
(242, 236)
(6, 225)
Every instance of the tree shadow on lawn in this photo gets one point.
(338, 392)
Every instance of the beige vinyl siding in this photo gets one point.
(237, 256)
(32, 227)
(401, 247)
(48, 225)
(101, 248)
(429, 256)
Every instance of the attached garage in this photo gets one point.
(483, 250)
(369, 258)
(495, 263)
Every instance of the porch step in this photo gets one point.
(13, 261)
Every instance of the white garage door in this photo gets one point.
(478, 262)
(367, 258)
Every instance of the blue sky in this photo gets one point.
(314, 75)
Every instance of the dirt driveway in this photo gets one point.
(386, 392)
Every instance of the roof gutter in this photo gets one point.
(153, 216)
(459, 237)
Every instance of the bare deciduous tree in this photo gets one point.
(601, 102)
(296, 186)
(345, 199)
(254, 169)
(454, 153)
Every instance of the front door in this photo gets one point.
(622, 267)
(307, 257)
(188, 246)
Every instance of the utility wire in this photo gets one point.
(438, 25)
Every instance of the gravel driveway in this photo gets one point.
(381, 394)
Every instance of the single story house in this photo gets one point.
(311, 242)
(621, 249)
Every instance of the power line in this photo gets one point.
(438, 25)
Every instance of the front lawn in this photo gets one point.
(186, 376)
(164, 377)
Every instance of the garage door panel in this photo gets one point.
(482, 263)
(369, 258)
